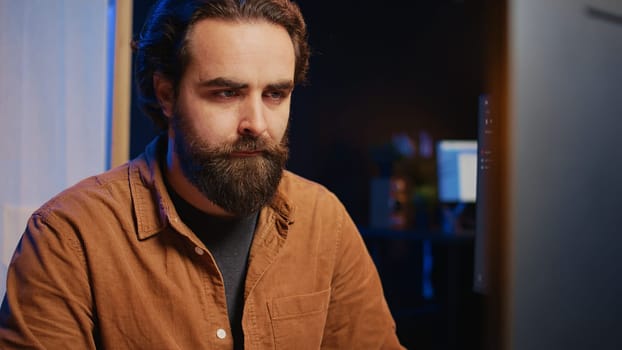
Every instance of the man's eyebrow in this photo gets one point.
(232, 84)
(282, 85)
(223, 82)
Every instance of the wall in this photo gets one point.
(52, 105)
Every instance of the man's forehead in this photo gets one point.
(240, 51)
(208, 31)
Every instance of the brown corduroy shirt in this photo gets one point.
(107, 264)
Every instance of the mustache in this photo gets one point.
(247, 143)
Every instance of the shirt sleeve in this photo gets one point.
(358, 315)
(48, 303)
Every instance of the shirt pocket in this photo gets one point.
(298, 321)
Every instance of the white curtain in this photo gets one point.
(53, 105)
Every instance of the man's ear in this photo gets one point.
(164, 93)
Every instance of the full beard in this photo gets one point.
(239, 185)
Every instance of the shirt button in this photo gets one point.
(221, 333)
(198, 250)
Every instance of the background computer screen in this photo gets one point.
(457, 171)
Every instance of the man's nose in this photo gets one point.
(252, 116)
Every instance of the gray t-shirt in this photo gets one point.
(229, 241)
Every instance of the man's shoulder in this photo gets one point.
(301, 190)
(294, 182)
(96, 190)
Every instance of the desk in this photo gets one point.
(427, 279)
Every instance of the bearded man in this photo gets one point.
(204, 241)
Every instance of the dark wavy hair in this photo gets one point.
(162, 44)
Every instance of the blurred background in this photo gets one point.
(474, 143)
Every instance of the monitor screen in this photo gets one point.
(457, 171)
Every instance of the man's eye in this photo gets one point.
(225, 93)
(275, 95)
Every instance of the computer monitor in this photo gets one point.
(486, 186)
(457, 171)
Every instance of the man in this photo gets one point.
(204, 241)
